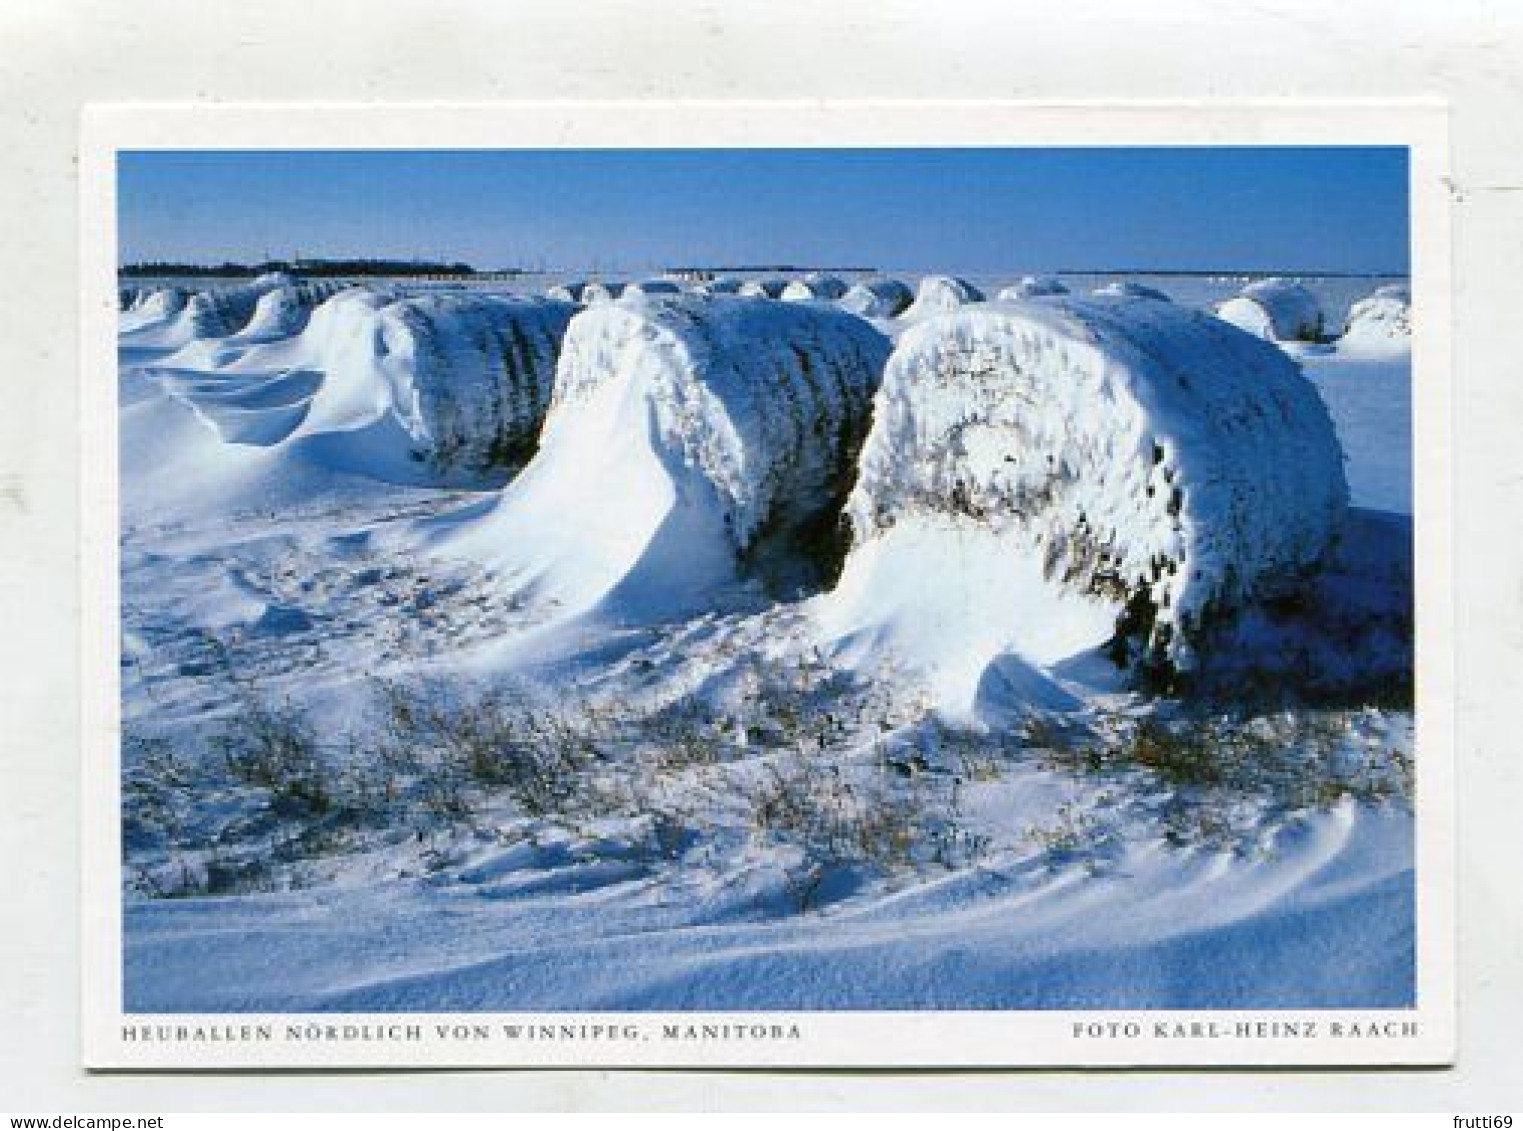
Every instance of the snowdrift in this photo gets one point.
(939, 294)
(1380, 322)
(1034, 286)
(814, 287)
(152, 309)
(1044, 477)
(171, 318)
(1277, 310)
(280, 313)
(691, 440)
(878, 298)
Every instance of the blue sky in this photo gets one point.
(1280, 209)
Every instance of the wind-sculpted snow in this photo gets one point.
(939, 294)
(1380, 322)
(690, 437)
(172, 318)
(1034, 286)
(280, 313)
(1119, 456)
(1275, 309)
(878, 298)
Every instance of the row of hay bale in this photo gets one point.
(1157, 461)
(1276, 309)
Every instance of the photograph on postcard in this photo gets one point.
(776, 580)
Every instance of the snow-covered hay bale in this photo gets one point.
(598, 291)
(878, 298)
(814, 288)
(1127, 288)
(723, 286)
(469, 377)
(1380, 321)
(650, 287)
(939, 294)
(1130, 469)
(1034, 286)
(763, 288)
(1277, 310)
(690, 439)
(571, 291)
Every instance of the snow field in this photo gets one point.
(699, 796)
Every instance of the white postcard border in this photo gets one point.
(1424, 1035)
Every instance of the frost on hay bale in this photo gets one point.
(1126, 288)
(1382, 320)
(690, 439)
(1146, 457)
(470, 376)
(939, 294)
(814, 287)
(878, 298)
(1034, 286)
(467, 377)
(763, 288)
(1277, 310)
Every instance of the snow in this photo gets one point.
(1380, 323)
(877, 298)
(938, 294)
(913, 785)
(1140, 453)
(1276, 309)
(685, 431)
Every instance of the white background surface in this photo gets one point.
(56, 56)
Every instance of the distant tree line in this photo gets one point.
(309, 268)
